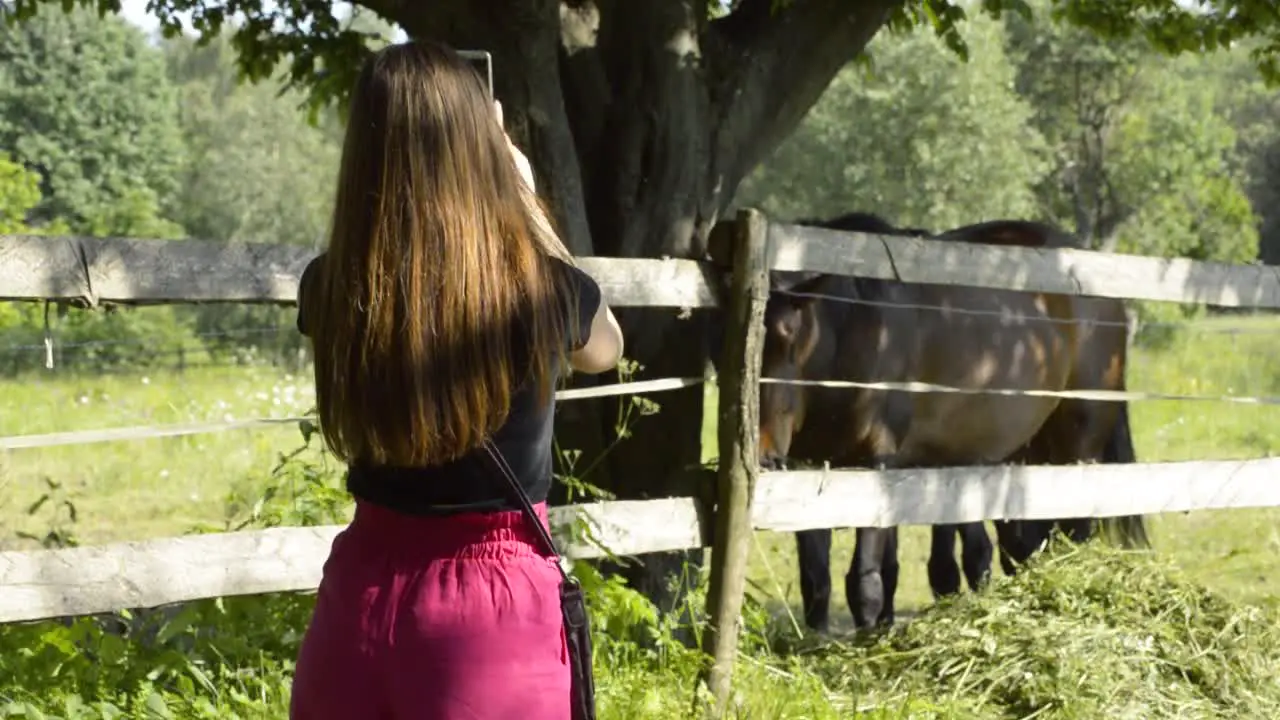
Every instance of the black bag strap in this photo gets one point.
(513, 483)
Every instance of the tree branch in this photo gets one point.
(770, 67)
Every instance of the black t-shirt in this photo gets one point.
(471, 483)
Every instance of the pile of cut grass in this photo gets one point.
(1088, 632)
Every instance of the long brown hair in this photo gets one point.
(437, 297)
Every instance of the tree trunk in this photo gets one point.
(640, 119)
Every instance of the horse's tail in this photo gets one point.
(1129, 531)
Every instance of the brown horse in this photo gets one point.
(1078, 431)
(866, 330)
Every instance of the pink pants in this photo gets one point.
(435, 618)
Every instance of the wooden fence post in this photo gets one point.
(739, 439)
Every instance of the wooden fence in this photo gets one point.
(55, 583)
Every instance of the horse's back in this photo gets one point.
(1011, 233)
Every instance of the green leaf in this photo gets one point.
(112, 649)
(156, 707)
(178, 624)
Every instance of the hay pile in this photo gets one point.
(1089, 632)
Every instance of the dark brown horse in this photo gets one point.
(1078, 431)
(838, 328)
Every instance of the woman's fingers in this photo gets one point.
(522, 164)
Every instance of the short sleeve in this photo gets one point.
(306, 289)
(582, 289)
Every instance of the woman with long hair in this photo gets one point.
(442, 314)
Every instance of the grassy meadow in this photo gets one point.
(141, 489)
(1007, 653)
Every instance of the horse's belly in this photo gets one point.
(972, 428)
(1021, 351)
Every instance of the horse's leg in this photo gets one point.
(865, 585)
(1034, 535)
(1008, 541)
(975, 554)
(976, 550)
(944, 573)
(1019, 540)
(1077, 530)
(814, 550)
(889, 576)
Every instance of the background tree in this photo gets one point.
(1176, 176)
(256, 170)
(921, 138)
(23, 324)
(1142, 161)
(19, 193)
(86, 105)
(1253, 109)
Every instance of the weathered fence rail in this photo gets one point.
(75, 581)
(55, 583)
(120, 270)
(1067, 271)
(127, 271)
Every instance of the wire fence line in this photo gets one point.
(151, 431)
(141, 432)
(1019, 317)
(90, 354)
(133, 342)
(168, 348)
(1100, 395)
(127, 370)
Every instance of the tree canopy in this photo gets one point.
(1141, 158)
(19, 193)
(256, 171)
(920, 137)
(85, 104)
(322, 48)
(1126, 147)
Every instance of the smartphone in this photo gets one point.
(482, 62)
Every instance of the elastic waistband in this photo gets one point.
(463, 535)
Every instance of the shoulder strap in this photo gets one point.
(496, 458)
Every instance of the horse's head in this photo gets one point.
(793, 330)
(790, 335)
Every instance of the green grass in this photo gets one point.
(958, 660)
(143, 488)
(1089, 633)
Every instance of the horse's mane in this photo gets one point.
(1024, 233)
(859, 222)
(863, 222)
